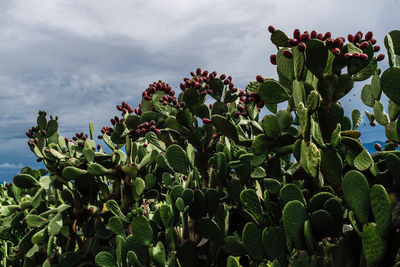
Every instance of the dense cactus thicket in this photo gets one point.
(195, 184)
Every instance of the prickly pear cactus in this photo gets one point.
(185, 183)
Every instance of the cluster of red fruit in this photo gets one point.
(125, 108)
(32, 131)
(106, 130)
(77, 136)
(335, 44)
(168, 99)
(143, 128)
(200, 82)
(7, 185)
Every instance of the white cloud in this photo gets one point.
(7, 165)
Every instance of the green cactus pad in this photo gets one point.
(316, 57)
(272, 92)
(113, 207)
(252, 241)
(373, 245)
(176, 157)
(270, 125)
(381, 209)
(105, 259)
(285, 65)
(322, 224)
(250, 201)
(233, 246)
(294, 216)
(225, 126)
(318, 200)
(232, 262)
(142, 231)
(308, 236)
(390, 84)
(71, 172)
(115, 225)
(331, 167)
(274, 244)
(209, 228)
(356, 194)
(334, 207)
(291, 192)
(157, 254)
(279, 38)
(25, 181)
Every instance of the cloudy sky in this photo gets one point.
(78, 59)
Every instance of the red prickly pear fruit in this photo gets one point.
(74, 138)
(271, 29)
(287, 53)
(222, 77)
(368, 35)
(214, 73)
(377, 147)
(215, 136)
(231, 85)
(377, 48)
(205, 73)
(119, 107)
(116, 118)
(226, 82)
(327, 35)
(124, 112)
(66, 140)
(192, 73)
(357, 38)
(260, 78)
(296, 34)
(356, 55)
(336, 51)
(350, 38)
(314, 34)
(364, 56)
(293, 41)
(136, 111)
(234, 90)
(98, 147)
(145, 145)
(364, 44)
(347, 55)
(181, 104)
(304, 37)
(39, 160)
(197, 85)
(380, 57)
(198, 71)
(272, 59)
(360, 33)
(81, 144)
(372, 123)
(236, 114)
(182, 86)
(206, 121)
(209, 91)
(338, 42)
(212, 76)
(329, 41)
(373, 41)
(152, 122)
(100, 136)
(260, 103)
(301, 46)
(203, 93)
(320, 36)
(211, 106)
(113, 121)
(84, 138)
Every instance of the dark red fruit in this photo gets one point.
(356, 55)
(287, 53)
(364, 44)
(271, 29)
(100, 137)
(222, 77)
(336, 51)
(377, 147)
(198, 71)
(372, 123)
(211, 106)
(304, 37)
(98, 147)
(338, 42)
(205, 73)
(373, 41)
(368, 35)
(357, 38)
(227, 81)
(377, 48)
(231, 85)
(364, 56)
(347, 55)
(314, 34)
(206, 121)
(293, 41)
(380, 57)
(320, 36)
(350, 37)
(301, 46)
(329, 41)
(327, 35)
(260, 78)
(296, 34)
(272, 59)
(360, 33)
